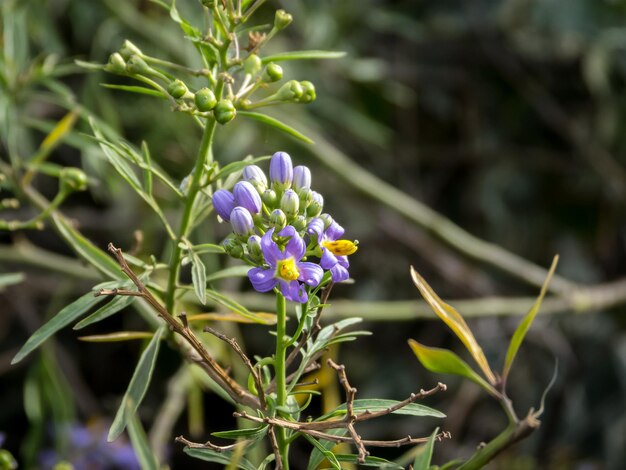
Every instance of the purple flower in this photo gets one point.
(281, 169)
(301, 178)
(286, 268)
(253, 173)
(223, 203)
(334, 250)
(248, 197)
(242, 222)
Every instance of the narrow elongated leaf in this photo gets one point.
(138, 439)
(250, 433)
(324, 452)
(425, 454)
(118, 336)
(317, 456)
(66, 316)
(198, 277)
(209, 455)
(370, 461)
(455, 322)
(89, 65)
(238, 166)
(444, 361)
(303, 55)
(64, 126)
(235, 306)
(233, 271)
(137, 387)
(281, 126)
(375, 404)
(134, 89)
(524, 326)
(10, 279)
(117, 304)
(269, 318)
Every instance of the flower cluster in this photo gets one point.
(278, 224)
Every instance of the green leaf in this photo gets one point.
(198, 277)
(235, 306)
(89, 65)
(206, 248)
(250, 433)
(425, 453)
(134, 89)
(11, 279)
(117, 304)
(233, 271)
(303, 55)
(137, 387)
(66, 316)
(281, 126)
(138, 439)
(444, 361)
(370, 461)
(209, 455)
(524, 326)
(455, 322)
(323, 452)
(238, 166)
(375, 404)
(118, 336)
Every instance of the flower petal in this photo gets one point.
(310, 273)
(334, 231)
(270, 249)
(339, 273)
(328, 259)
(295, 246)
(262, 280)
(293, 291)
(316, 227)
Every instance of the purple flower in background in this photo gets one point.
(286, 268)
(335, 251)
(281, 169)
(223, 203)
(248, 197)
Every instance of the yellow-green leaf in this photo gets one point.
(443, 361)
(269, 318)
(455, 322)
(118, 336)
(522, 329)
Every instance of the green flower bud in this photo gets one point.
(252, 64)
(282, 19)
(308, 92)
(254, 248)
(224, 111)
(273, 73)
(116, 64)
(135, 65)
(233, 247)
(290, 91)
(177, 89)
(269, 198)
(327, 219)
(306, 196)
(290, 203)
(7, 461)
(205, 99)
(278, 219)
(128, 50)
(72, 179)
(299, 223)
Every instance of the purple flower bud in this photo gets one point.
(242, 222)
(278, 219)
(290, 203)
(253, 173)
(223, 203)
(301, 178)
(281, 169)
(248, 197)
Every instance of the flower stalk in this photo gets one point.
(279, 370)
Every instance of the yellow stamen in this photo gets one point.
(341, 247)
(288, 270)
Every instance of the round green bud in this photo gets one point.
(290, 91)
(308, 92)
(254, 248)
(7, 461)
(116, 64)
(273, 73)
(282, 19)
(135, 65)
(290, 203)
(252, 64)
(177, 89)
(72, 179)
(224, 111)
(299, 223)
(128, 50)
(269, 198)
(306, 196)
(278, 219)
(233, 247)
(205, 99)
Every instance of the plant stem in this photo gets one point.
(205, 155)
(279, 369)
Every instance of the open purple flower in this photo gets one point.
(286, 268)
(335, 251)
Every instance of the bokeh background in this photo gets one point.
(505, 118)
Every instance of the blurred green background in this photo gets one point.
(505, 117)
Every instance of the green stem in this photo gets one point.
(279, 369)
(205, 155)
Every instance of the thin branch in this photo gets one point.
(275, 448)
(207, 445)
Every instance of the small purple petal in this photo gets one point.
(295, 246)
(301, 178)
(271, 252)
(281, 168)
(334, 231)
(339, 273)
(293, 291)
(343, 261)
(262, 280)
(328, 259)
(310, 273)
(248, 197)
(223, 203)
(316, 227)
(241, 220)
(254, 173)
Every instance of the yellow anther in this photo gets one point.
(341, 247)
(288, 270)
